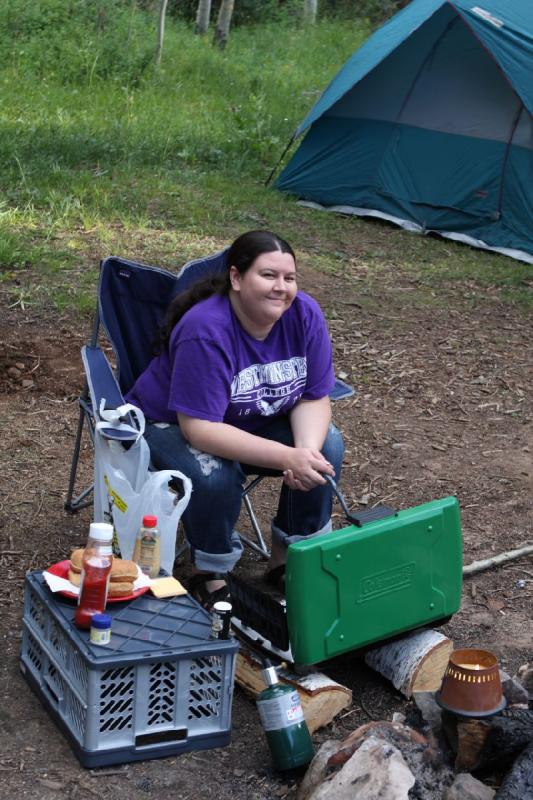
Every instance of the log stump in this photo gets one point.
(415, 663)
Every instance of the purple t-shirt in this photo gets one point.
(214, 370)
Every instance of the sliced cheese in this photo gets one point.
(167, 587)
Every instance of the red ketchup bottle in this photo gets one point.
(95, 571)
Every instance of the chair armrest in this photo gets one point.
(341, 390)
(103, 386)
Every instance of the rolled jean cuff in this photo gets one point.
(219, 562)
(285, 539)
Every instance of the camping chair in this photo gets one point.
(132, 300)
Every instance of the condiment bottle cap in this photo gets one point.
(101, 621)
(101, 531)
(149, 521)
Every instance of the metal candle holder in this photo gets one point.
(471, 686)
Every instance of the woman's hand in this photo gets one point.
(306, 468)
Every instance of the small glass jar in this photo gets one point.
(100, 629)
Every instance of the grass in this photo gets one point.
(100, 154)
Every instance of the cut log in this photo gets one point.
(415, 663)
(490, 743)
(321, 697)
(518, 783)
(466, 738)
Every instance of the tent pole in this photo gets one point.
(409, 93)
(514, 126)
(293, 137)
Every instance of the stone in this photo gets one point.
(376, 771)
(466, 787)
(316, 772)
(398, 717)
(525, 676)
(429, 708)
(514, 692)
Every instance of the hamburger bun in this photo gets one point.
(120, 588)
(75, 559)
(74, 577)
(123, 570)
(115, 589)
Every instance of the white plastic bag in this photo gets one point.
(125, 490)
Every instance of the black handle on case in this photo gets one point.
(361, 518)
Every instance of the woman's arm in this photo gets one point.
(305, 463)
(310, 421)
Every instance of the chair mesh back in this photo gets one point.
(132, 301)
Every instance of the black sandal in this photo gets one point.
(276, 577)
(198, 589)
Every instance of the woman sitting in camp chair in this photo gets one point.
(242, 378)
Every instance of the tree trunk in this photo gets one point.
(310, 10)
(223, 23)
(161, 31)
(203, 16)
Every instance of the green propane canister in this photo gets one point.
(283, 721)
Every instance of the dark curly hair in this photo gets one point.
(241, 255)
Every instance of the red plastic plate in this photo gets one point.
(61, 571)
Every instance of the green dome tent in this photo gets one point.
(429, 124)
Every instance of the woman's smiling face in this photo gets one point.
(265, 291)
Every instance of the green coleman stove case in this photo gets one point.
(361, 585)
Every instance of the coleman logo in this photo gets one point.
(391, 580)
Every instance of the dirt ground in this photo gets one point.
(443, 406)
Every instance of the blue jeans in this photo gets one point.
(210, 518)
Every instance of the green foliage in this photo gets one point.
(76, 41)
(376, 11)
(203, 109)
(255, 12)
(101, 153)
(246, 12)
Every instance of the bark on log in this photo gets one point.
(415, 663)
(518, 783)
(321, 697)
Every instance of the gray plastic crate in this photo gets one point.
(161, 686)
